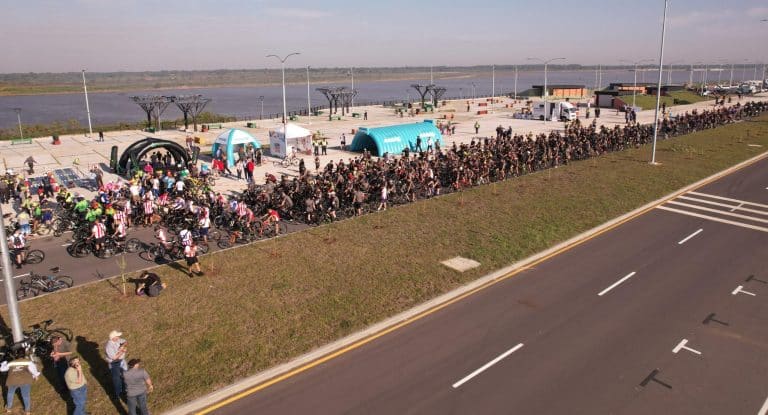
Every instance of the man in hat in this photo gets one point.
(116, 349)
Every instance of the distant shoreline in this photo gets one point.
(27, 89)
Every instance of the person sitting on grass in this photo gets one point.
(149, 284)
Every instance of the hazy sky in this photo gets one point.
(136, 35)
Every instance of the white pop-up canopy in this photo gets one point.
(293, 138)
(230, 139)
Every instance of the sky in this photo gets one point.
(144, 35)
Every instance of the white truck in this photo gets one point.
(557, 110)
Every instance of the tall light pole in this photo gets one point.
(493, 85)
(704, 78)
(309, 103)
(658, 86)
(18, 116)
(744, 70)
(10, 290)
(634, 88)
(669, 71)
(431, 77)
(515, 82)
(474, 96)
(730, 83)
(282, 65)
(544, 92)
(261, 98)
(87, 107)
(352, 74)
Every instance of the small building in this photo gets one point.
(561, 90)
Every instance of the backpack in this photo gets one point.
(17, 241)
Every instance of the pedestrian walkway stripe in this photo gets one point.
(728, 199)
(737, 207)
(715, 219)
(719, 212)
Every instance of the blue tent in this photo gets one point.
(393, 139)
(231, 140)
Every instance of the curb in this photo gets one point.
(329, 351)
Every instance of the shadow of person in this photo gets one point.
(52, 376)
(90, 352)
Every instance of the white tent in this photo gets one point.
(230, 139)
(296, 139)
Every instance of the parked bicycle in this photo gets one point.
(34, 284)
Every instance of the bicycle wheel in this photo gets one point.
(34, 256)
(214, 235)
(25, 290)
(223, 243)
(108, 249)
(63, 332)
(43, 229)
(203, 247)
(80, 249)
(283, 228)
(62, 281)
(132, 245)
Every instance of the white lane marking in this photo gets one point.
(740, 290)
(682, 345)
(764, 409)
(754, 145)
(720, 212)
(487, 365)
(16, 276)
(728, 199)
(739, 206)
(712, 218)
(689, 237)
(615, 284)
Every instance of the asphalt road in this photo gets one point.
(664, 314)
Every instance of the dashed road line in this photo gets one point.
(486, 366)
(615, 284)
(764, 409)
(689, 237)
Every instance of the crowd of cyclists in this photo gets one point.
(187, 214)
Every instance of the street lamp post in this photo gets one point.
(10, 290)
(634, 88)
(544, 92)
(658, 86)
(352, 99)
(282, 65)
(493, 86)
(309, 102)
(261, 98)
(18, 117)
(87, 107)
(515, 83)
(730, 82)
(474, 96)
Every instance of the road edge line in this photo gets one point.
(252, 384)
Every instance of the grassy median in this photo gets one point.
(263, 304)
(648, 102)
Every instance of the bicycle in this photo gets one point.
(38, 340)
(112, 247)
(288, 161)
(34, 284)
(29, 256)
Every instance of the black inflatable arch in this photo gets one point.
(133, 154)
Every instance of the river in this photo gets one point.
(242, 102)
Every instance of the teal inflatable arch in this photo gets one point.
(231, 140)
(395, 138)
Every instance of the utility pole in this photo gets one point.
(18, 117)
(87, 107)
(658, 86)
(10, 290)
(309, 103)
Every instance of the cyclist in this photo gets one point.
(186, 236)
(271, 217)
(333, 204)
(121, 231)
(204, 222)
(17, 241)
(98, 232)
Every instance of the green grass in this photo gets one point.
(648, 102)
(263, 304)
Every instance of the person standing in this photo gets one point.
(138, 385)
(343, 142)
(190, 254)
(477, 127)
(365, 115)
(21, 373)
(61, 353)
(101, 136)
(116, 349)
(77, 385)
(30, 161)
(324, 145)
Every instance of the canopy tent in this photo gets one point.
(282, 143)
(231, 139)
(129, 160)
(395, 138)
